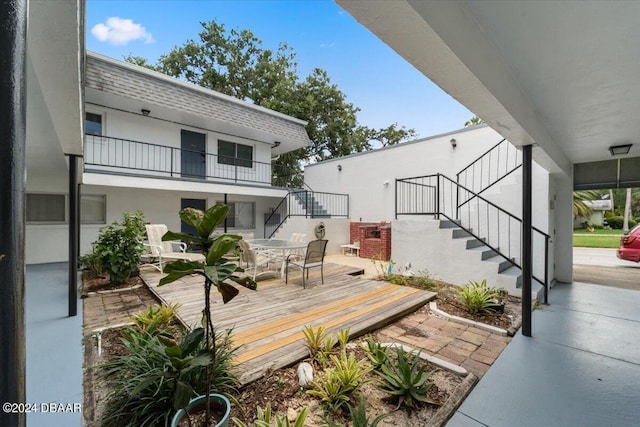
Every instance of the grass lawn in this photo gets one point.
(597, 241)
(604, 232)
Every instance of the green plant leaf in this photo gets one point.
(227, 291)
(213, 217)
(220, 247)
(192, 340)
(183, 394)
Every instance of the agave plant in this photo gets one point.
(406, 379)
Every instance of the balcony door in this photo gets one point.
(194, 154)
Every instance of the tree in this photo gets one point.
(580, 208)
(235, 63)
(473, 121)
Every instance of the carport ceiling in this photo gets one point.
(563, 75)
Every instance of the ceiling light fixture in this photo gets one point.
(145, 112)
(619, 150)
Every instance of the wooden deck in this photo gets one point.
(268, 323)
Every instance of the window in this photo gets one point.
(241, 215)
(230, 153)
(93, 209)
(46, 208)
(93, 124)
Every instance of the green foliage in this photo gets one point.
(92, 263)
(119, 247)
(161, 373)
(376, 353)
(405, 378)
(318, 340)
(580, 208)
(155, 318)
(339, 383)
(264, 419)
(343, 338)
(617, 222)
(477, 297)
(473, 121)
(235, 63)
(359, 416)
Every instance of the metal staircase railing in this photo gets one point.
(308, 204)
(488, 169)
(498, 229)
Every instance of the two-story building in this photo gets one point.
(157, 144)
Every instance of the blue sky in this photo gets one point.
(383, 85)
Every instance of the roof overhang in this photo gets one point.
(55, 49)
(560, 75)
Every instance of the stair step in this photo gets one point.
(503, 264)
(515, 272)
(475, 243)
(460, 233)
(445, 223)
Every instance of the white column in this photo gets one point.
(563, 238)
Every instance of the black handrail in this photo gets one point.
(500, 164)
(308, 204)
(154, 159)
(439, 202)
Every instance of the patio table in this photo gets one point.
(279, 245)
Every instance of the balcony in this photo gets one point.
(116, 155)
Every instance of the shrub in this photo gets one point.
(376, 353)
(264, 419)
(119, 247)
(617, 222)
(405, 378)
(477, 297)
(339, 384)
(155, 318)
(160, 373)
(92, 263)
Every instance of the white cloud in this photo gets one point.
(120, 31)
(327, 45)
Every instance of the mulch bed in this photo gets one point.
(448, 303)
(100, 282)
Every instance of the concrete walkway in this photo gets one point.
(580, 368)
(54, 348)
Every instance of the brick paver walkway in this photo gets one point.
(114, 308)
(466, 346)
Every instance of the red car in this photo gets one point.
(630, 245)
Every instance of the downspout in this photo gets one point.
(13, 43)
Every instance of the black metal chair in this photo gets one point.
(314, 257)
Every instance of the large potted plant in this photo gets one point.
(219, 271)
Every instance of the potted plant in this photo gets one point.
(219, 271)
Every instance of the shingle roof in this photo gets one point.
(131, 81)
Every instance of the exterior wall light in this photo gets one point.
(453, 142)
(618, 150)
(276, 144)
(339, 168)
(145, 112)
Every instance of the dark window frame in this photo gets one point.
(226, 157)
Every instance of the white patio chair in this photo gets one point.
(253, 259)
(168, 251)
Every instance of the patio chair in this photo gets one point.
(164, 252)
(314, 257)
(253, 259)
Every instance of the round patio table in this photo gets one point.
(277, 244)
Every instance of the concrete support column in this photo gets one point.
(564, 229)
(13, 30)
